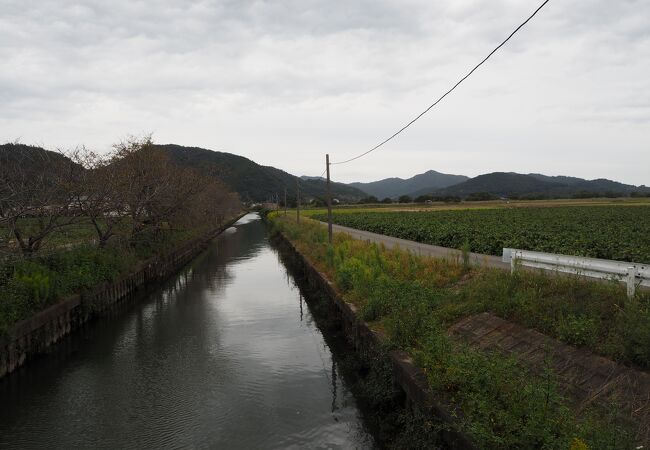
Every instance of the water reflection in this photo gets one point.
(217, 357)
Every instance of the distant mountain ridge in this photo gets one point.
(508, 184)
(39, 159)
(258, 183)
(394, 187)
(502, 184)
(253, 181)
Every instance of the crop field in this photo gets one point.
(610, 232)
(463, 205)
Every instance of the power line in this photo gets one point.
(449, 91)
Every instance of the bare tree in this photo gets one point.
(207, 205)
(97, 193)
(135, 187)
(144, 181)
(35, 194)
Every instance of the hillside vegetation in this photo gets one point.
(514, 185)
(252, 181)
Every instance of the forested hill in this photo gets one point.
(29, 159)
(253, 181)
(394, 187)
(513, 184)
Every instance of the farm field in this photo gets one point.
(606, 231)
(493, 204)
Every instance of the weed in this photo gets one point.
(465, 249)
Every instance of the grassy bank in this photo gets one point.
(367, 373)
(31, 284)
(500, 404)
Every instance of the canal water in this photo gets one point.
(225, 355)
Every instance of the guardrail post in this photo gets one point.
(631, 281)
(513, 262)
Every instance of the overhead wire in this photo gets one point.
(446, 93)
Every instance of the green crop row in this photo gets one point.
(609, 232)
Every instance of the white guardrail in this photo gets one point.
(634, 274)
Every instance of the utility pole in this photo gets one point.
(285, 200)
(297, 200)
(329, 200)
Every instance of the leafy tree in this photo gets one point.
(481, 196)
(369, 199)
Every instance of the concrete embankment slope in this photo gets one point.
(586, 379)
(37, 334)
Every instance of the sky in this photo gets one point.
(284, 82)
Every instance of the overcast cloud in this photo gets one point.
(283, 82)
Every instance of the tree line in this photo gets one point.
(133, 189)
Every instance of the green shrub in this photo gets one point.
(633, 321)
(465, 250)
(348, 272)
(34, 281)
(380, 299)
(28, 286)
(577, 330)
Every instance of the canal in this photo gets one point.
(224, 355)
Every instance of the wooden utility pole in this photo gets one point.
(297, 200)
(285, 200)
(329, 200)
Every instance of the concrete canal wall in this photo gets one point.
(37, 334)
(409, 378)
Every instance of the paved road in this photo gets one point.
(420, 249)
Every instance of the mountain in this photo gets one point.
(561, 179)
(600, 185)
(501, 184)
(508, 184)
(253, 181)
(394, 187)
(29, 159)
